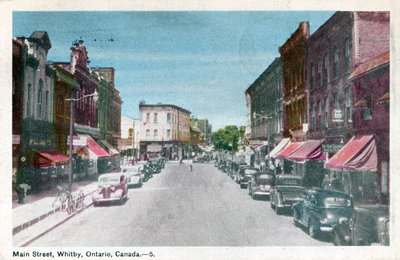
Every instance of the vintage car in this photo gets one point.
(111, 187)
(368, 225)
(261, 184)
(321, 210)
(237, 174)
(288, 190)
(155, 166)
(146, 171)
(245, 176)
(133, 175)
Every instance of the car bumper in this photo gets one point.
(288, 203)
(105, 199)
(261, 193)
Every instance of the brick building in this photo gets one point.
(293, 58)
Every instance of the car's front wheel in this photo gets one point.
(311, 229)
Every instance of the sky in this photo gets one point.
(202, 61)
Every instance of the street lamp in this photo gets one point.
(71, 131)
(266, 124)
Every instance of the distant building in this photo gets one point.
(293, 58)
(165, 131)
(130, 144)
(205, 129)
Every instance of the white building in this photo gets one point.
(130, 138)
(165, 130)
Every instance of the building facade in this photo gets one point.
(346, 40)
(205, 131)
(165, 131)
(293, 58)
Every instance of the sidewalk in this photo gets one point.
(38, 206)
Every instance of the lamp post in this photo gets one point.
(71, 131)
(255, 115)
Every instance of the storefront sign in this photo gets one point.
(78, 140)
(331, 148)
(337, 115)
(257, 142)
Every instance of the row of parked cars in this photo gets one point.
(113, 187)
(317, 210)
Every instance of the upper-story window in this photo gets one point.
(335, 62)
(155, 118)
(312, 76)
(347, 54)
(59, 105)
(148, 134)
(47, 105)
(314, 123)
(320, 70)
(320, 115)
(130, 132)
(40, 99)
(169, 118)
(348, 105)
(326, 69)
(168, 133)
(155, 134)
(327, 111)
(29, 100)
(367, 115)
(147, 117)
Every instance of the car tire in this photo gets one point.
(249, 190)
(277, 210)
(271, 204)
(337, 240)
(95, 204)
(295, 218)
(311, 229)
(241, 186)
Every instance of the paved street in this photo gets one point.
(182, 208)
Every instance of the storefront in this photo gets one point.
(288, 165)
(354, 169)
(93, 155)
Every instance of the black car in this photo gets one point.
(261, 184)
(368, 225)
(322, 210)
(245, 176)
(288, 190)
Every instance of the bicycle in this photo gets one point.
(69, 202)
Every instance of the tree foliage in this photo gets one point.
(227, 138)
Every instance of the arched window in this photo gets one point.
(40, 99)
(47, 105)
(312, 76)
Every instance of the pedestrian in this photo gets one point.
(191, 165)
(326, 182)
(278, 169)
(21, 191)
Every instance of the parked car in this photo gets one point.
(245, 176)
(236, 174)
(368, 225)
(133, 175)
(155, 165)
(147, 173)
(261, 184)
(111, 187)
(321, 210)
(288, 190)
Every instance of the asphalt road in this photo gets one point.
(182, 208)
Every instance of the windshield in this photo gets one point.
(265, 180)
(337, 202)
(131, 169)
(109, 179)
(249, 171)
(289, 182)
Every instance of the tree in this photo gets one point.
(227, 138)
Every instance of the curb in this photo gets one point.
(35, 220)
(27, 243)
